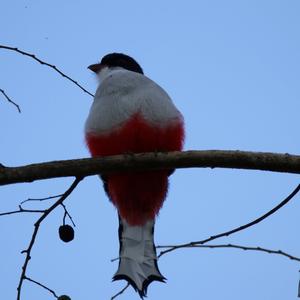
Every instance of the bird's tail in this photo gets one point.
(138, 260)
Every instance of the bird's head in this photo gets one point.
(115, 60)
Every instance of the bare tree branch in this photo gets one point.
(241, 247)
(41, 199)
(240, 228)
(35, 232)
(67, 214)
(21, 210)
(121, 292)
(46, 64)
(41, 285)
(264, 161)
(270, 251)
(9, 100)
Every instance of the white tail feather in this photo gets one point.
(138, 260)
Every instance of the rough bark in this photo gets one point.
(275, 162)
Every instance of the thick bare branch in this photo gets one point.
(237, 229)
(265, 161)
(11, 101)
(46, 64)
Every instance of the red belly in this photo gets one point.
(137, 195)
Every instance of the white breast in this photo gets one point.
(122, 94)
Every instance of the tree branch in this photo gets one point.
(35, 232)
(21, 210)
(121, 292)
(270, 251)
(264, 161)
(67, 214)
(46, 64)
(241, 247)
(41, 199)
(240, 228)
(9, 100)
(24, 210)
(41, 285)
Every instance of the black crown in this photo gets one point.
(121, 60)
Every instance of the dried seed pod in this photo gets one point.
(66, 233)
(64, 297)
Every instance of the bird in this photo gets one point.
(133, 114)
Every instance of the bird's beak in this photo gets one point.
(95, 67)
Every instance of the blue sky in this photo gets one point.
(231, 67)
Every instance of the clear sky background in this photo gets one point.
(231, 67)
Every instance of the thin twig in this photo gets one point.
(46, 64)
(36, 229)
(270, 251)
(41, 199)
(120, 293)
(67, 214)
(41, 285)
(240, 228)
(11, 101)
(114, 259)
(21, 210)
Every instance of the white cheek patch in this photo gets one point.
(104, 72)
(124, 93)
